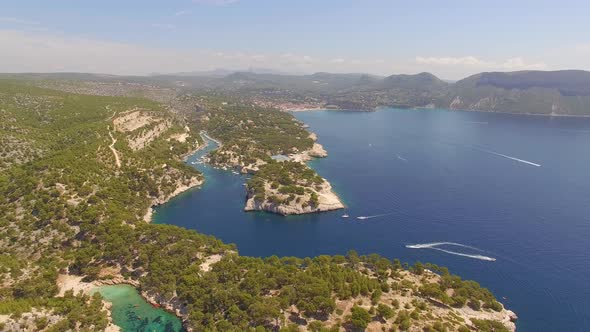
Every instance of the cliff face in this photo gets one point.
(182, 184)
(317, 151)
(327, 201)
(288, 188)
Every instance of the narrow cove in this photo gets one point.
(132, 313)
(420, 174)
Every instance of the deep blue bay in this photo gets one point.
(436, 176)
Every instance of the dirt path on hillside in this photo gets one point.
(115, 152)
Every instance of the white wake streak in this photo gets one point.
(480, 257)
(401, 158)
(512, 158)
(435, 246)
(374, 216)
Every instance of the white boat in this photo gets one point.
(345, 216)
(362, 217)
(236, 173)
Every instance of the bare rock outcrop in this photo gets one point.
(327, 201)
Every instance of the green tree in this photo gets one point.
(384, 311)
(359, 318)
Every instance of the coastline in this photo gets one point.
(556, 115)
(204, 134)
(194, 182)
(182, 188)
(323, 109)
(328, 200)
(172, 306)
(66, 282)
(147, 217)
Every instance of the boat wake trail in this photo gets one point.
(401, 158)
(509, 157)
(436, 246)
(374, 216)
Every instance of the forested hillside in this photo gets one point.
(79, 173)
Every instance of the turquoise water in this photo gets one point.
(464, 186)
(132, 313)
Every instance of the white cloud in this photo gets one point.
(575, 56)
(18, 21)
(182, 12)
(296, 59)
(516, 63)
(445, 61)
(45, 51)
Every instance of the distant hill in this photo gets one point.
(567, 82)
(565, 92)
(422, 81)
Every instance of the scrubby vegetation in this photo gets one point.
(463, 292)
(251, 133)
(270, 130)
(71, 210)
(62, 207)
(292, 180)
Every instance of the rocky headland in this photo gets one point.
(327, 200)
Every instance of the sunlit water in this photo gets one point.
(133, 314)
(508, 196)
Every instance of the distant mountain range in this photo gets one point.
(222, 72)
(565, 92)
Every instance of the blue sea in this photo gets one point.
(501, 199)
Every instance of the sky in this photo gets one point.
(449, 38)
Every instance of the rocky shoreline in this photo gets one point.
(175, 306)
(327, 201)
(194, 182)
(67, 282)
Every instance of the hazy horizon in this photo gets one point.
(376, 37)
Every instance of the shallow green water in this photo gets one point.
(132, 313)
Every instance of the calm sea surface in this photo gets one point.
(489, 186)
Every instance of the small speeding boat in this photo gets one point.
(345, 216)
(362, 217)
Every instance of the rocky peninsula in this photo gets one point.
(293, 190)
(290, 187)
(316, 199)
